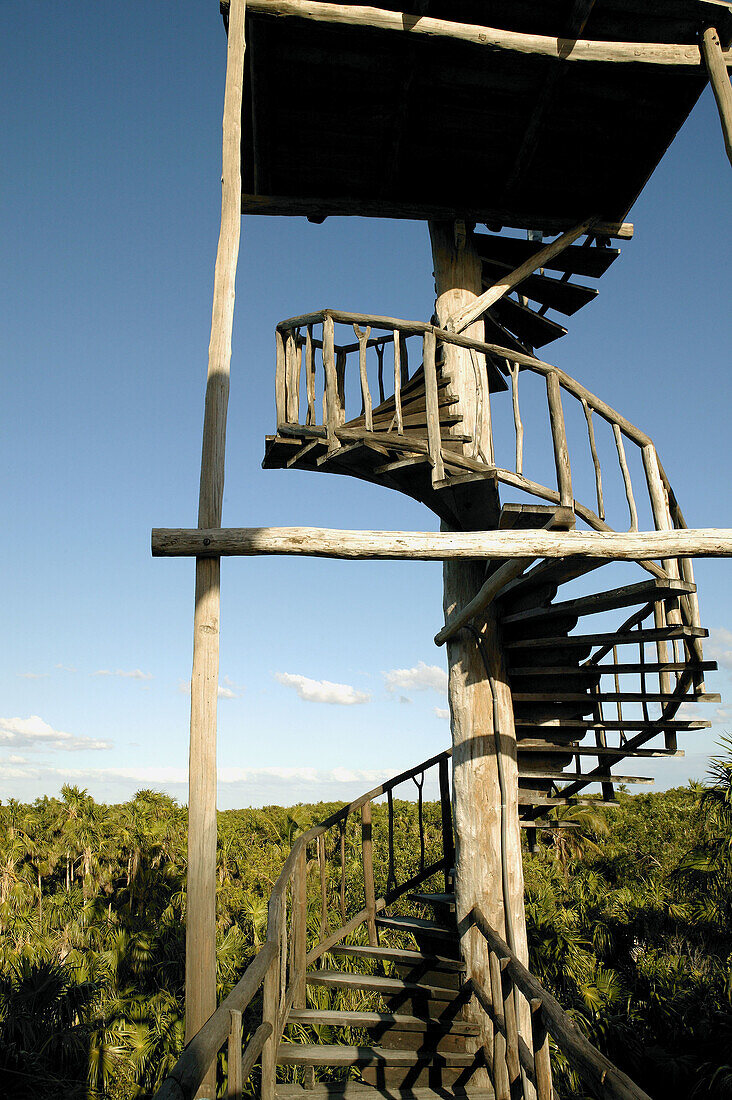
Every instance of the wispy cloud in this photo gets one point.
(719, 646)
(227, 688)
(126, 674)
(66, 668)
(441, 712)
(322, 691)
(34, 733)
(422, 677)
(34, 675)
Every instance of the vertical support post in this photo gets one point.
(501, 1078)
(234, 1084)
(330, 395)
(369, 891)
(322, 868)
(310, 374)
(270, 1015)
(299, 929)
(711, 49)
(201, 905)
(542, 1058)
(280, 393)
(398, 381)
(432, 408)
(559, 439)
(475, 762)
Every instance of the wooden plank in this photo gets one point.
(368, 872)
(626, 478)
(716, 62)
(562, 696)
(440, 545)
(608, 670)
(555, 775)
(575, 260)
(532, 328)
(399, 1021)
(665, 633)
(373, 983)
(541, 258)
(434, 437)
(324, 1055)
(201, 906)
(565, 297)
(234, 1081)
(559, 440)
(401, 956)
(417, 925)
(569, 724)
(610, 600)
(547, 748)
(489, 38)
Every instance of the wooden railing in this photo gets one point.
(307, 346)
(279, 967)
(510, 1058)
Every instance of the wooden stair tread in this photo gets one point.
(433, 899)
(547, 748)
(611, 697)
(661, 724)
(528, 325)
(314, 1054)
(590, 262)
(659, 634)
(580, 776)
(417, 924)
(610, 669)
(335, 1018)
(629, 594)
(547, 290)
(374, 983)
(358, 1090)
(401, 956)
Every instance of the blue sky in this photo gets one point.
(110, 181)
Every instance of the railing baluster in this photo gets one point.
(489, 453)
(270, 1007)
(448, 842)
(342, 891)
(595, 459)
(299, 929)
(292, 378)
(432, 408)
(626, 478)
(501, 1083)
(390, 875)
(330, 393)
(369, 890)
(510, 1014)
(280, 396)
(419, 784)
(363, 339)
(542, 1057)
(514, 370)
(322, 868)
(559, 439)
(234, 1082)
(310, 374)
(341, 360)
(398, 381)
(380, 349)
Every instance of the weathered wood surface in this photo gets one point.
(709, 542)
(716, 62)
(201, 909)
(490, 38)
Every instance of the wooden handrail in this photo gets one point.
(595, 1070)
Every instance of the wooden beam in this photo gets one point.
(714, 58)
(323, 542)
(201, 908)
(490, 38)
(476, 309)
(345, 206)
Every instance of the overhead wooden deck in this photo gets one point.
(411, 124)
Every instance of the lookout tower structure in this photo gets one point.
(522, 134)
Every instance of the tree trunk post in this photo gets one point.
(476, 785)
(201, 899)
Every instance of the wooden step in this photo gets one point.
(314, 1054)
(536, 801)
(578, 259)
(529, 326)
(417, 925)
(447, 900)
(546, 748)
(358, 1090)
(579, 776)
(611, 697)
(611, 669)
(611, 724)
(659, 634)
(401, 956)
(330, 1018)
(565, 297)
(374, 983)
(629, 594)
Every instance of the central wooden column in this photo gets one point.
(476, 785)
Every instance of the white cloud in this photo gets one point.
(66, 668)
(420, 678)
(722, 715)
(227, 690)
(719, 646)
(33, 732)
(34, 675)
(441, 712)
(127, 674)
(322, 691)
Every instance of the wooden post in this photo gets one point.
(299, 929)
(476, 786)
(234, 1084)
(270, 1015)
(369, 891)
(201, 900)
(559, 439)
(717, 68)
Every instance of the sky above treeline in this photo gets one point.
(329, 676)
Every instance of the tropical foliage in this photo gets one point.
(629, 914)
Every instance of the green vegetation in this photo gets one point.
(629, 917)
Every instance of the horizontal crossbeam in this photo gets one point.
(323, 542)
